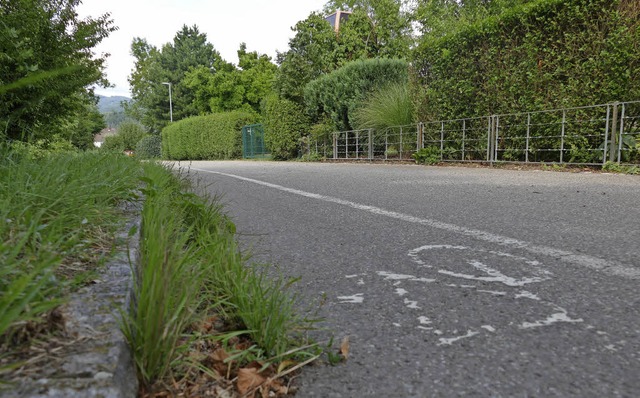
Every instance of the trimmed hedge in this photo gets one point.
(214, 136)
(284, 125)
(339, 93)
(545, 54)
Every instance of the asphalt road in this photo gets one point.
(452, 281)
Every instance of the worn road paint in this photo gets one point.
(451, 340)
(560, 316)
(489, 328)
(411, 304)
(581, 260)
(526, 294)
(355, 299)
(493, 275)
(400, 277)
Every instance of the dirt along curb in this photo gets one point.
(96, 361)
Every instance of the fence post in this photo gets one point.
(497, 128)
(370, 144)
(526, 152)
(614, 124)
(489, 135)
(335, 146)
(386, 143)
(564, 119)
(621, 133)
(419, 137)
(464, 133)
(346, 145)
(442, 141)
(400, 149)
(357, 145)
(606, 135)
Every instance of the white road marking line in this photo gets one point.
(489, 328)
(595, 263)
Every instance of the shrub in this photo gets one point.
(284, 126)
(214, 136)
(339, 93)
(389, 106)
(126, 139)
(149, 147)
(428, 155)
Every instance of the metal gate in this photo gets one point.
(253, 145)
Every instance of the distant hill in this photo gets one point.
(111, 108)
(111, 104)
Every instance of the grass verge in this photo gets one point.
(202, 320)
(58, 215)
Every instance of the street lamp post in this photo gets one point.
(170, 103)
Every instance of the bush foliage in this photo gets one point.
(126, 139)
(339, 93)
(544, 54)
(284, 125)
(387, 107)
(214, 136)
(149, 147)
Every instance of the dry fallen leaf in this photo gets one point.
(248, 379)
(219, 355)
(344, 347)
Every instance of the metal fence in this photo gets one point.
(253, 145)
(589, 135)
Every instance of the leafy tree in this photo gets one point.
(311, 54)
(170, 64)
(126, 139)
(81, 129)
(375, 29)
(390, 24)
(233, 88)
(47, 66)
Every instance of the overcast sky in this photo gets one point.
(264, 25)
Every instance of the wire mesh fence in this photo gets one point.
(253, 145)
(589, 135)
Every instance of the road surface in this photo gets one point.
(452, 281)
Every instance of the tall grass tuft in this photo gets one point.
(190, 266)
(54, 211)
(168, 280)
(387, 107)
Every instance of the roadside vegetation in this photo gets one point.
(58, 216)
(202, 319)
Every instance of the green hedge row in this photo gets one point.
(339, 93)
(541, 55)
(284, 125)
(214, 136)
